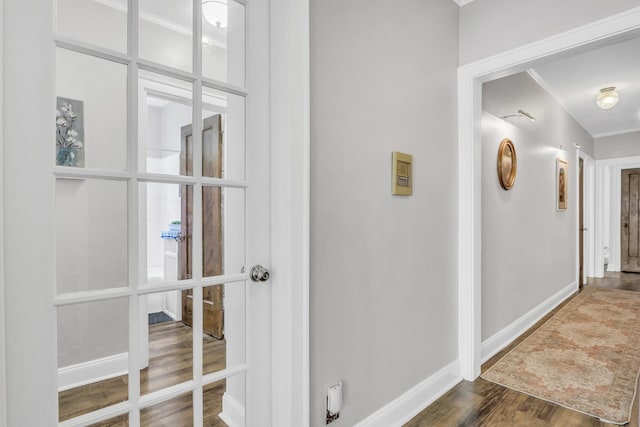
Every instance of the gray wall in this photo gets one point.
(623, 145)
(383, 268)
(488, 27)
(528, 247)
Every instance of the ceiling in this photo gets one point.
(576, 81)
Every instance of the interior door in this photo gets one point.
(213, 296)
(630, 221)
(150, 105)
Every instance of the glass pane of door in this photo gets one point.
(166, 32)
(93, 356)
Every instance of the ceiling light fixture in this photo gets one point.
(215, 12)
(521, 113)
(607, 98)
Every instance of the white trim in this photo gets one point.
(3, 376)
(614, 133)
(589, 211)
(470, 78)
(413, 401)
(620, 161)
(610, 208)
(290, 176)
(232, 411)
(92, 371)
(491, 346)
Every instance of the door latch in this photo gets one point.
(259, 273)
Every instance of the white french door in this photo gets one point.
(95, 209)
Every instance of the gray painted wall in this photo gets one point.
(383, 268)
(623, 145)
(488, 27)
(528, 247)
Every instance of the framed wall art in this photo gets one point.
(69, 132)
(562, 187)
(507, 164)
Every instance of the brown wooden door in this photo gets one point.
(212, 262)
(581, 228)
(630, 221)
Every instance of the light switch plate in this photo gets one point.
(402, 174)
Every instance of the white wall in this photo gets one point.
(488, 27)
(616, 146)
(528, 247)
(383, 288)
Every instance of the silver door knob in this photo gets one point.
(259, 273)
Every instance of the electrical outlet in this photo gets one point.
(334, 402)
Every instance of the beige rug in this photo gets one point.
(585, 358)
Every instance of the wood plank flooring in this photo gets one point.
(483, 403)
(170, 363)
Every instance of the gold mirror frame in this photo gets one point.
(507, 164)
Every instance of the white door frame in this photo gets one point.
(608, 187)
(290, 192)
(3, 378)
(470, 79)
(289, 159)
(589, 209)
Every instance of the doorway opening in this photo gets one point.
(470, 82)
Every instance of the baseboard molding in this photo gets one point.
(504, 337)
(93, 371)
(408, 405)
(232, 411)
(612, 267)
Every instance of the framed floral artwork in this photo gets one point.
(69, 132)
(562, 175)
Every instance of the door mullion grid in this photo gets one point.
(197, 238)
(134, 175)
(133, 212)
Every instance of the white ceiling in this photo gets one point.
(576, 81)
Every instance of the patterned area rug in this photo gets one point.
(585, 358)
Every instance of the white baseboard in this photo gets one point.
(612, 267)
(93, 371)
(232, 411)
(504, 337)
(408, 405)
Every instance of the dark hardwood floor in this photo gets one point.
(483, 403)
(170, 363)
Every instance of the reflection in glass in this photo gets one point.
(100, 23)
(94, 335)
(166, 32)
(166, 145)
(224, 402)
(91, 234)
(166, 346)
(224, 327)
(166, 232)
(223, 141)
(177, 412)
(223, 228)
(100, 86)
(121, 421)
(223, 41)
